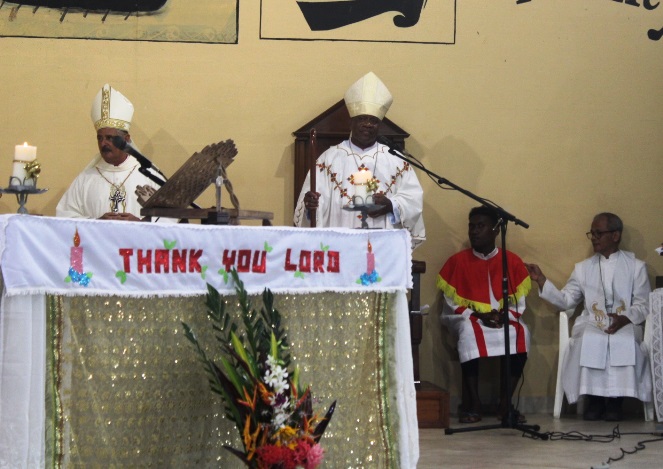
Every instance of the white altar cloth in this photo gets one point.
(62, 256)
(43, 255)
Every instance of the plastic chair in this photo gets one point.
(561, 353)
(564, 337)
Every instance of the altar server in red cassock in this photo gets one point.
(471, 281)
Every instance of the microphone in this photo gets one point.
(393, 147)
(123, 145)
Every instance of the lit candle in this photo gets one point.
(23, 154)
(360, 179)
(370, 260)
(76, 254)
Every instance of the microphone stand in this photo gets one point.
(145, 164)
(510, 419)
(150, 175)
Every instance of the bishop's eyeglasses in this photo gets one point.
(597, 234)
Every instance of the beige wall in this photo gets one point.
(552, 109)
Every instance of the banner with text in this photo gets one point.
(93, 257)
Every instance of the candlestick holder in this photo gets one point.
(21, 191)
(364, 209)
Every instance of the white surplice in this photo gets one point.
(89, 194)
(397, 180)
(610, 365)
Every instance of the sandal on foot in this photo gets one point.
(469, 417)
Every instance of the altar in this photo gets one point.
(95, 370)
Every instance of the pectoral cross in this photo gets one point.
(116, 199)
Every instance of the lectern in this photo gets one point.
(200, 171)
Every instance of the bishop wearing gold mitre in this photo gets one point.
(396, 195)
(106, 188)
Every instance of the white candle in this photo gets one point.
(22, 154)
(360, 179)
(25, 152)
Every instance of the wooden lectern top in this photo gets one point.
(196, 175)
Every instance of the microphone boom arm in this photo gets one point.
(440, 180)
(144, 162)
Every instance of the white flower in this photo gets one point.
(280, 387)
(279, 419)
(276, 378)
(283, 406)
(272, 362)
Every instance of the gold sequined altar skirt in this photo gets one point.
(125, 388)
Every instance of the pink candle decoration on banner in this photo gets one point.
(77, 254)
(370, 260)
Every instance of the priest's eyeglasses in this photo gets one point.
(597, 234)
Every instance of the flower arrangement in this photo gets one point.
(272, 412)
(372, 185)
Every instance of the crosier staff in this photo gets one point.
(313, 157)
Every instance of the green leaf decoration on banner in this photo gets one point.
(122, 275)
(203, 271)
(67, 279)
(299, 274)
(323, 247)
(268, 248)
(169, 244)
(223, 272)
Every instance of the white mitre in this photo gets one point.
(368, 96)
(111, 109)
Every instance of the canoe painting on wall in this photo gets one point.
(323, 16)
(210, 21)
(415, 21)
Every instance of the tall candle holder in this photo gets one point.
(363, 208)
(21, 191)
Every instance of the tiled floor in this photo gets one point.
(507, 448)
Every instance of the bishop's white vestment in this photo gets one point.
(600, 364)
(89, 195)
(397, 180)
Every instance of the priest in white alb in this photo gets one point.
(106, 188)
(361, 165)
(606, 360)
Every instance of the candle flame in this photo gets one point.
(77, 239)
(25, 144)
(370, 247)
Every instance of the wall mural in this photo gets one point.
(209, 21)
(416, 21)
(323, 16)
(653, 34)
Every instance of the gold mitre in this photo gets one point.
(112, 109)
(369, 96)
